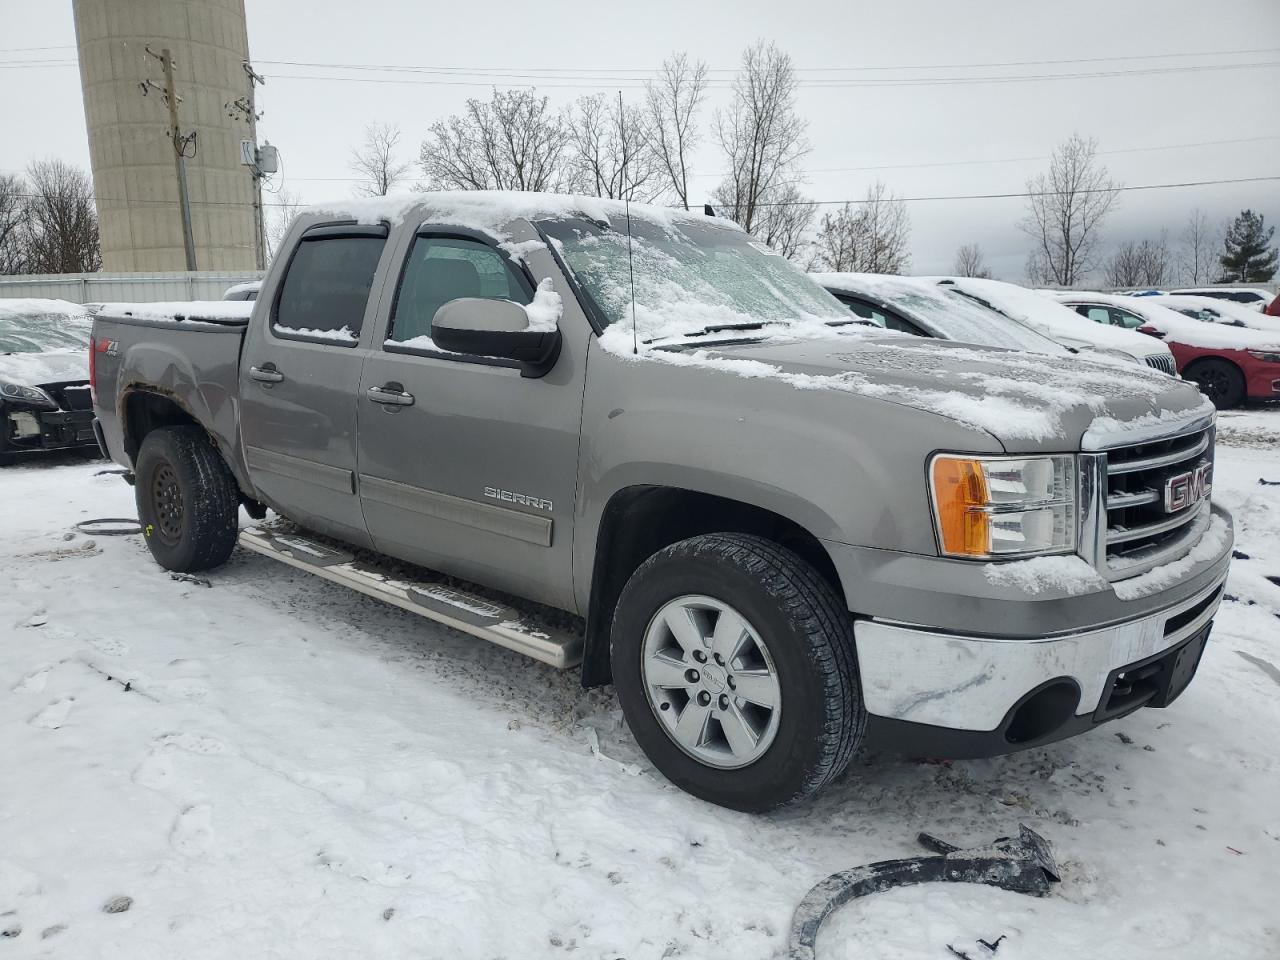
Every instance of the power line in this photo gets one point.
(842, 69)
(614, 83)
(1026, 193)
(960, 196)
(930, 164)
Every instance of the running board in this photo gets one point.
(480, 617)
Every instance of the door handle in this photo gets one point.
(391, 394)
(267, 373)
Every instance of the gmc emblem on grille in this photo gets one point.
(1188, 488)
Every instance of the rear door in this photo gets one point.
(465, 466)
(299, 375)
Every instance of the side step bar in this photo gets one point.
(480, 617)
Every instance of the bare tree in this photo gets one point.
(13, 215)
(1144, 264)
(513, 141)
(614, 151)
(1197, 258)
(59, 233)
(673, 101)
(969, 262)
(870, 237)
(782, 224)
(280, 212)
(375, 160)
(1065, 210)
(761, 134)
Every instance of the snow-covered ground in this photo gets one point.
(270, 766)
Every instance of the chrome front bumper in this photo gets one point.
(975, 683)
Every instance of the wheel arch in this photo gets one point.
(1188, 372)
(642, 519)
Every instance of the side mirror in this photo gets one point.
(495, 328)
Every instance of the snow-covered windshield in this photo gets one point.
(34, 326)
(690, 278)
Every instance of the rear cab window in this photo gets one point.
(326, 285)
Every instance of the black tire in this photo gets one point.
(188, 501)
(1219, 380)
(809, 635)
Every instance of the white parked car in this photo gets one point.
(1214, 310)
(1255, 298)
(924, 308)
(1062, 324)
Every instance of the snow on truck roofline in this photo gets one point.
(488, 211)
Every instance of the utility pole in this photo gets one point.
(245, 108)
(260, 233)
(180, 146)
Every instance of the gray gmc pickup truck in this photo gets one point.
(638, 441)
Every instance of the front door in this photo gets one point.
(299, 375)
(465, 466)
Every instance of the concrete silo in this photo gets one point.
(130, 149)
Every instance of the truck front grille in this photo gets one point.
(1138, 525)
(1162, 362)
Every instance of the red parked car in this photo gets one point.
(1229, 364)
(1273, 309)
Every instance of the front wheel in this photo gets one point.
(188, 502)
(1220, 381)
(734, 663)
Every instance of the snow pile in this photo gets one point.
(178, 310)
(1066, 574)
(544, 311)
(1211, 544)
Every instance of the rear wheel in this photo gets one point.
(734, 663)
(1220, 381)
(188, 502)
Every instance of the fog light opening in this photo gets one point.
(1043, 711)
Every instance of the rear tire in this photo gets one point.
(798, 644)
(1220, 381)
(188, 501)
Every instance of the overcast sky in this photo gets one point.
(922, 139)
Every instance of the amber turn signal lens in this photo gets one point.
(959, 494)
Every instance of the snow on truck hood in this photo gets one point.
(1022, 399)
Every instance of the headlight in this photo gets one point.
(32, 395)
(998, 507)
(1269, 356)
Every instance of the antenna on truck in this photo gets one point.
(626, 196)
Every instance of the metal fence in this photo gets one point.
(124, 287)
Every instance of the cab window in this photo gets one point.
(440, 269)
(326, 286)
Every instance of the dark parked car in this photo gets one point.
(45, 401)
